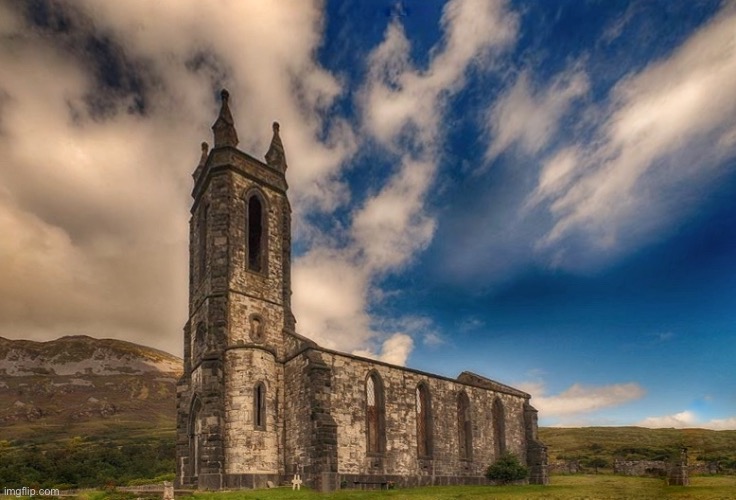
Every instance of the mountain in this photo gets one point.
(82, 386)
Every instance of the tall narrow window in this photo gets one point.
(203, 215)
(374, 414)
(465, 427)
(424, 426)
(195, 436)
(259, 406)
(499, 427)
(200, 335)
(255, 234)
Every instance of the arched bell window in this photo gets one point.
(255, 232)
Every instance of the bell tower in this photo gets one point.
(230, 397)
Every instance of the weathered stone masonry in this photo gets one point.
(258, 402)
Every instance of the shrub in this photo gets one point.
(507, 469)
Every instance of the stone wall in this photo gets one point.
(641, 467)
(200, 402)
(248, 448)
(325, 387)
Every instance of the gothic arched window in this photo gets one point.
(259, 406)
(255, 231)
(465, 427)
(499, 427)
(374, 414)
(195, 437)
(424, 421)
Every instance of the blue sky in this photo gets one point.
(540, 192)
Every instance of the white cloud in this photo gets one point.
(392, 226)
(269, 69)
(666, 131)
(433, 339)
(579, 399)
(330, 299)
(678, 420)
(105, 198)
(97, 196)
(400, 105)
(531, 118)
(395, 349)
(399, 95)
(687, 420)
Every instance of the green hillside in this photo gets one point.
(638, 443)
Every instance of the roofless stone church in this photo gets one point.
(259, 403)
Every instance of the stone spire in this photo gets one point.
(275, 156)
(224, 127)
(202, 161)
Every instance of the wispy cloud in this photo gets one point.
(579, 399)
(664, 132)
(402, 109)
(664, 336)
(687, 419)
(531, 118)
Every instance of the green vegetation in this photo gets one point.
(507, 469)
(562, 487)
(592, 446)
(125, 452)
(80, 463)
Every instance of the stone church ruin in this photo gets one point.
(258, 403)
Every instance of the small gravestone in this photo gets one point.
(168, 490)
(269, 484)
(296, 483)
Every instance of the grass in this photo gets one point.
(598, 487)
(636, 442)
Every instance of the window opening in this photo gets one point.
(374, 413)
(255, 234)
(259, 406)
(424, 448)
(499, 427)
(465, 429)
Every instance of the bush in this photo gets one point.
(507, 469)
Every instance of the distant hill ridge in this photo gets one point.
(80, 355)
(83, 386)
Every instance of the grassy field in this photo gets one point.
(637, 443)
(562, 487)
